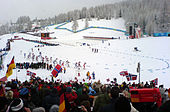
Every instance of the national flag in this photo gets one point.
(62, 105)
(3, 79)
(123, 73)
(108, 80)
(10, 67)
(31, 74)
(131, 77)
(155, 81)
(56, 70)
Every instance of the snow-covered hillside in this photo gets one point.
(113, 56)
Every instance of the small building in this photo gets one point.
(131, 30)
(45, 36)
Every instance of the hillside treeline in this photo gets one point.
(148, 14)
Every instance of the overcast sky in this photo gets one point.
(12, 9)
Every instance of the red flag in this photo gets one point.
(31, 74)
(123, 73)
(56, 70)
(155, 81)
(131, 77)
(3, 79)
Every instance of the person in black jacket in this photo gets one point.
(52, 99)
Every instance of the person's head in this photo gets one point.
(9, 95)
(84, 90)
(68, 89)
(115, 92)
(122, 104)
(54, 108)
(161, 86)
(38, 109)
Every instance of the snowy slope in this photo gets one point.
(107, 63)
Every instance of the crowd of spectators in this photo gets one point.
(38, 95)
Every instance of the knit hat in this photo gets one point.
(54, 108)
(16, 105)
(39, 109)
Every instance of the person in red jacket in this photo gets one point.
(71, 96)
(15, 90)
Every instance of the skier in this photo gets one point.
(64, 69)
(79, 74)
(92, 49)
(24, 55)
(76, 65)
(79, 64)
(84, 65)
(88, 74)
(93, 74)
(67, 63)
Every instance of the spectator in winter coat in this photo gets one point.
(162, 91)
(51, 99)
(15, 91)
(102, 100)
(83, 97)
(111, 106)
(122, 104)
(26, 97)
(165, 107)
(71, 96)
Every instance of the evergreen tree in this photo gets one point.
(75, 26)
(86, 23)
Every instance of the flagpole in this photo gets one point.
(139, 71)
(16, 73)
